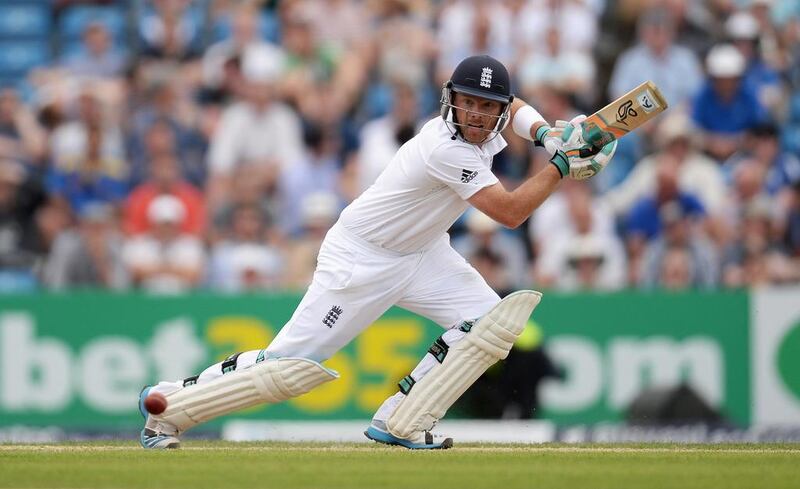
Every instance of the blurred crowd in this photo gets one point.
(173, 145)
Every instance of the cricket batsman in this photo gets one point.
(390, 247)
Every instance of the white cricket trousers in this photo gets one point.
(356, 282)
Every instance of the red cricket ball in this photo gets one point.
(155, 403)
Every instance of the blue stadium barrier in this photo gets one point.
(17, 57)
(794, 108)
(24, 19)
(790, 138)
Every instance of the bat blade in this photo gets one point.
(623, 115)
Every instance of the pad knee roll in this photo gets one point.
(269, 381)
(489, 340)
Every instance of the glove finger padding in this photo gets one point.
(574, 140)
(583, 168)
(554, 139)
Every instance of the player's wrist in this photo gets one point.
(541, 133)
(561, 162)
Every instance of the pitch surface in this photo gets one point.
(287, 466)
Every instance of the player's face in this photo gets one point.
(478, 116)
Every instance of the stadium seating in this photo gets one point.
(25, 28)
(26, 20)
(17, 57)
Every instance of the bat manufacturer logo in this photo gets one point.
(626, 110)
(647, 101)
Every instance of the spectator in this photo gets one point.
(163, 138)
(675, 270)
(697, 174)
(318, 171)
(381, 138)
(743, 30)
(725, 107)
(486, 245)
(675, 69)
(571, 71)
(257, 131)
(587, 269)
(249, 190)
(319, 212)
(761, 145)
(341, 24)
(167, 111)
(21, 240)
(680, 256)
(321, 82)
(87, 179)
(590, 256)
(165, 260)
(97, 57)
(21, 136)
(644, 223)
(296, 129)
(469, 28)
(645, 216)
(747, 186)
(754, 258)
(221, 70)
(244, 260)
(532, 22)
(404, 44)
(89, 256)
(165, 179)
(169, 31)
(547, 225)
(92, 136)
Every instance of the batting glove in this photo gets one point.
(584, 160)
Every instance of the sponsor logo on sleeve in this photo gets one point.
(467, 175)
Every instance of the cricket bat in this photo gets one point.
(622, 116)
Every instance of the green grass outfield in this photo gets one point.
(204, 464)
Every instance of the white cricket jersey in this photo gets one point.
(423, 191)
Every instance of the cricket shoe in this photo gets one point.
(421, 440)
(156, 434)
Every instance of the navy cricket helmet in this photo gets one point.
(479, 76)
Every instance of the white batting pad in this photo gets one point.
(489, 340)
(270, 381)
